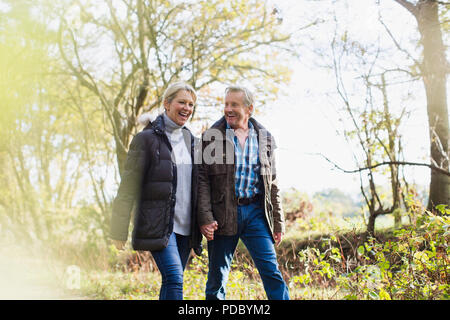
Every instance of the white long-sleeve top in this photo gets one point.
(181, 155)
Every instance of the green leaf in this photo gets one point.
(361, 250)
(442, 208)
(384, 295)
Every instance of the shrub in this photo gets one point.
(416, 266)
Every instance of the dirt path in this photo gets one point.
(24, 276)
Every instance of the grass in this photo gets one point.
(132, 278)
(106, 273)
(139, 279)
(145, 286)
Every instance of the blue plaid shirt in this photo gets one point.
(247, 165)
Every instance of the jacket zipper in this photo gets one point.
(172, 199)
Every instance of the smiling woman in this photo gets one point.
(160, 177)
(180, 108)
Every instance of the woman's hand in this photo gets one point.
(278, 236)
(208, 230)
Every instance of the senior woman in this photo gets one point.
(159, 176)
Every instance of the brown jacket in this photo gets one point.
(216, 193)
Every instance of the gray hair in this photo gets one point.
(248, 95)
(173, 89)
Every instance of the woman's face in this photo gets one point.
(181, 107)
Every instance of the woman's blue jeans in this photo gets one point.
(255, 234)
(171, 262)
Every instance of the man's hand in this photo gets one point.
(208, 230)
(278, 236)
(119, 244)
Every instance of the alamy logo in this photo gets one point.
(73, 277)
(216, 148)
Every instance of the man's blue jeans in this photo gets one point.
(171, 262)
(255, 234)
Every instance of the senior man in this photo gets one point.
(238, 196)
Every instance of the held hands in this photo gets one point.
(208, 230)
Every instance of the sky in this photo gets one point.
(304, 121)
(305, 127)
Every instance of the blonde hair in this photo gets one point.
(173, 89)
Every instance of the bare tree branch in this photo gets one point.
(408, 6)
(397, 44)
(400, 163)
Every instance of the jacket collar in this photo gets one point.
(221, 125)
(159, 126)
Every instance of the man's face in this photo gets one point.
(236, 112)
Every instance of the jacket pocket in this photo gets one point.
(219, 185)
(218, 207)
(218, 182)
(151, 221)
(217, 197)
(217, 169)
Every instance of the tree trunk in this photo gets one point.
(371, 224)
(434, 77)
(434, 70)
(391, 151)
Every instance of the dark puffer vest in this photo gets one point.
(149, 182)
